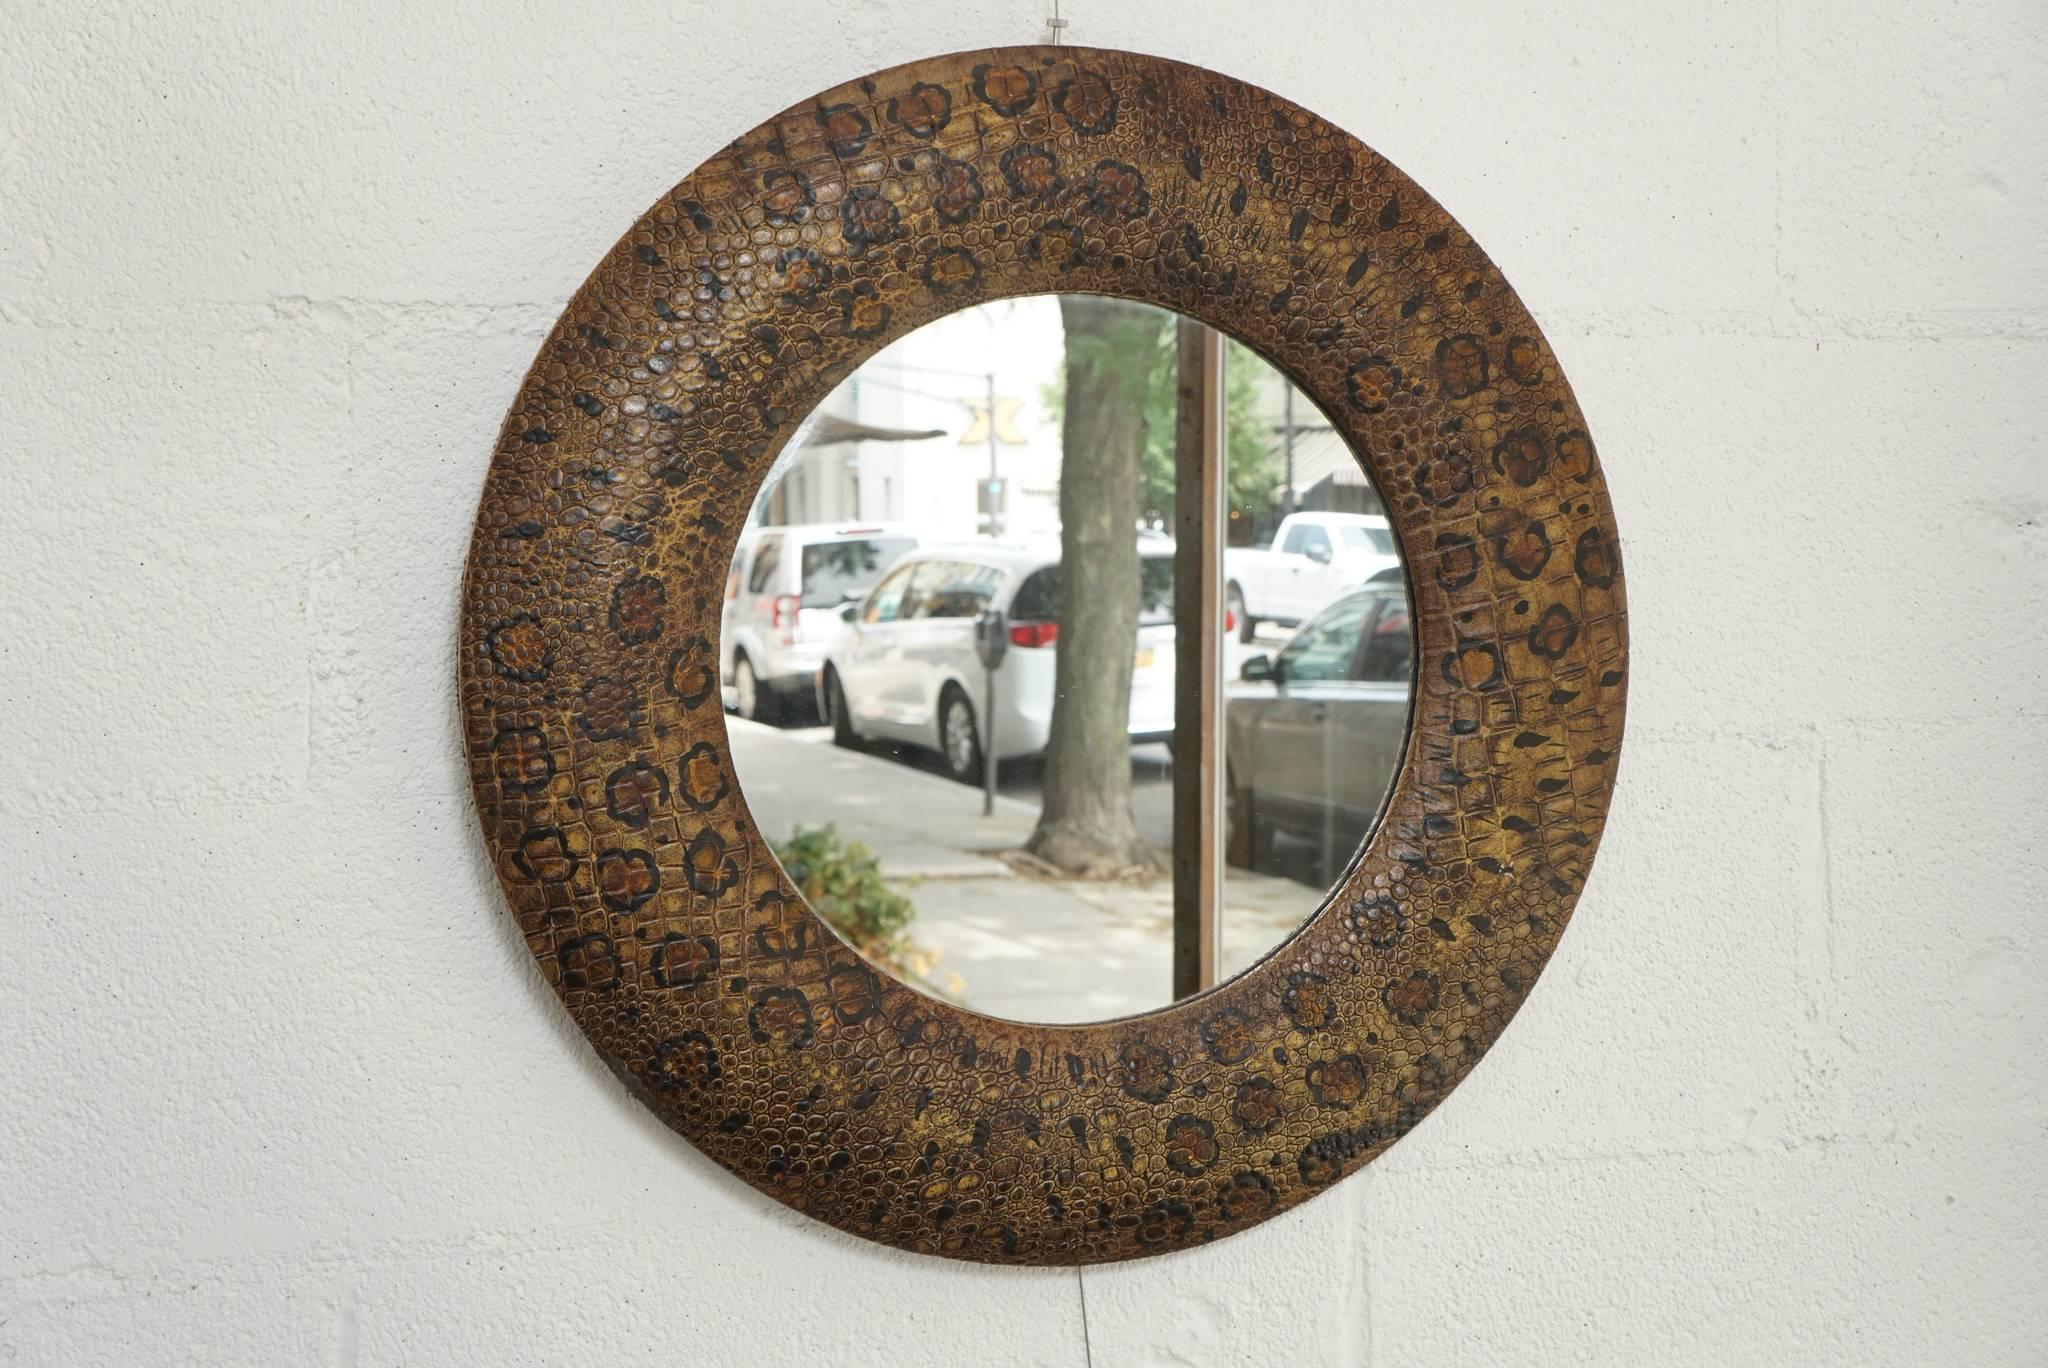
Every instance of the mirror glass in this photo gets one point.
(905, 602)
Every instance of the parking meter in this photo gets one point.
(991, 636)
(991, 643)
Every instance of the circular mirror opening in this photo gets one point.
(970, 550)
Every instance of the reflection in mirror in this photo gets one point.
(967, 552)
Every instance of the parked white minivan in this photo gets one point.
(783, 598)
(903, 666)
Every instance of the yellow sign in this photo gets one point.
(1006, 423)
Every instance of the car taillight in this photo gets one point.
(784, 616)
(1034, 634)
(1229, 621)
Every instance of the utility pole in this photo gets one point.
(1287, 441)
(995, 516)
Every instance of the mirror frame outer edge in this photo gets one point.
(590, 698)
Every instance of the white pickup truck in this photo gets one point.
(1314, 557)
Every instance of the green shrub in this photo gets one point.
(842, 881)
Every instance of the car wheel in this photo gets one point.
(1237, 837)
(750, 699)
(838, 715)
(959, 740)
(1258, 837)
(1247, 625)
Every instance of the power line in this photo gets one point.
(928, 370)
(921, 394)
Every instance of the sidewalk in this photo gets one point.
(1009, 944)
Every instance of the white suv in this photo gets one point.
(903, 667)
(782, 603)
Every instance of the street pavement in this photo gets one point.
(1008, 943)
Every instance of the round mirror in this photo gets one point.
(958, 661)
(958, 557)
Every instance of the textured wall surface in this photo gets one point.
(281, 1084)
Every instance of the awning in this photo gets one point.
(1319, 454)
(829, 429)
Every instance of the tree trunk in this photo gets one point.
(1085, 825)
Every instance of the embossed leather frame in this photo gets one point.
(591, 700)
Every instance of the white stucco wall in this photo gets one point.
(278, 1084)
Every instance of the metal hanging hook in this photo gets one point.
(1057, 24)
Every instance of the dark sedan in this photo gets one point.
(1313, 734)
